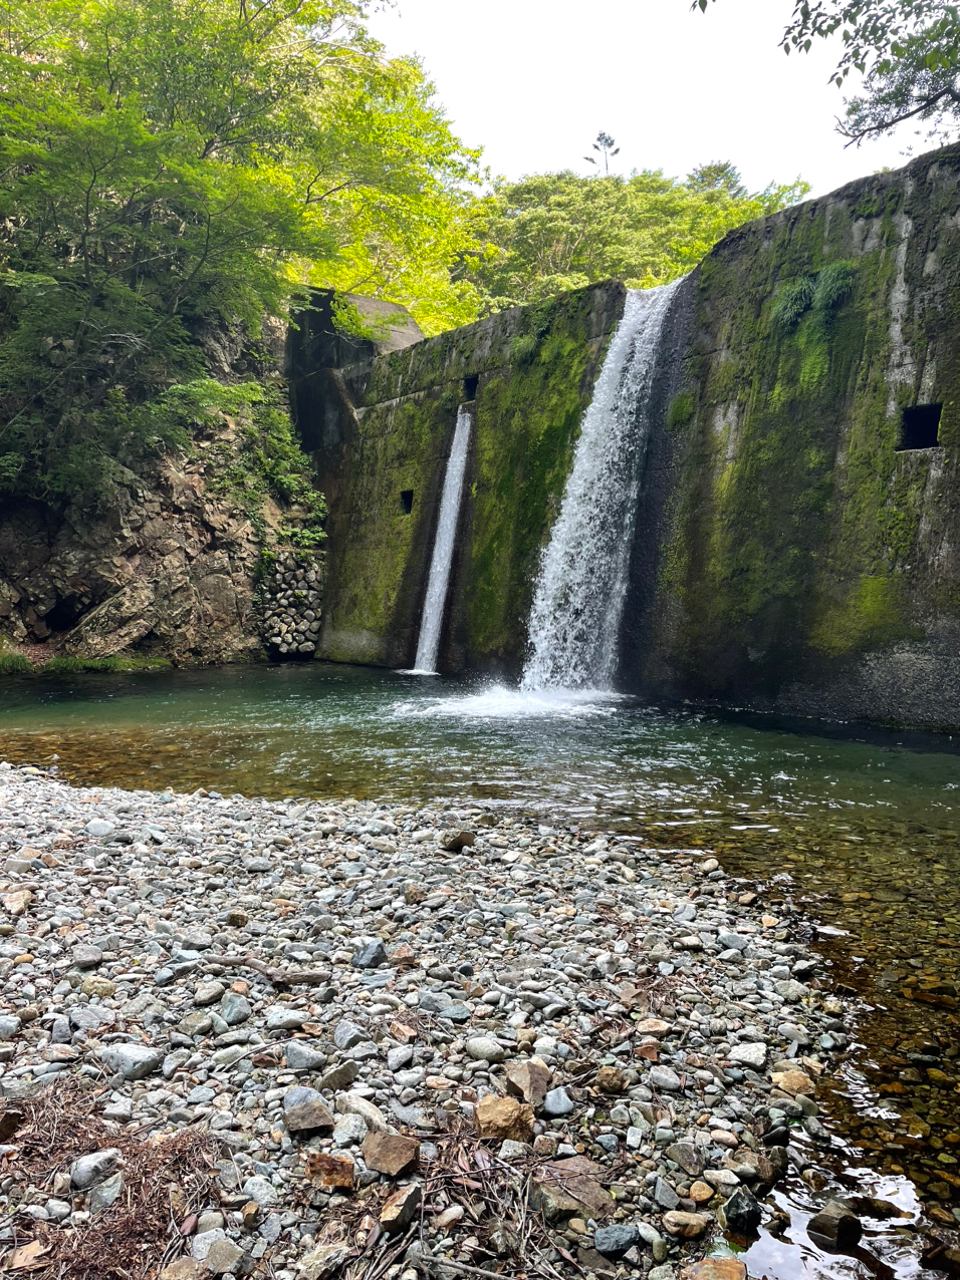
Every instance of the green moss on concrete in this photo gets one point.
(397, 447)
(798, 532)
(527, 424)
(680, 410)
(536, 368)
(870, 616)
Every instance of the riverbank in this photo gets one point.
(414, 1040)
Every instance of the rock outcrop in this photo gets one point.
(168, 571)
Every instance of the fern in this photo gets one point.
(792, 301)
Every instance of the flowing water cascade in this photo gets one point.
(580, 592)
(429, 643)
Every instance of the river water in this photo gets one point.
(853, 835)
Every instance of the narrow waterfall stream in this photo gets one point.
(428, 645)
(579, 598)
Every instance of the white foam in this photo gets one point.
(498, 702)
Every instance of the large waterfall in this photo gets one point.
(578, 603)
(428, 645)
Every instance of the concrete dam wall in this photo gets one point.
(797, 539)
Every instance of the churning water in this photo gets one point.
(578, 604)
(428, 645)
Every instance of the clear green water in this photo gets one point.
(860, 835)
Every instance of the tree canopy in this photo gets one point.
(550, 232)
(174, 164)
(907, 51)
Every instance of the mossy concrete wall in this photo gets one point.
(805, 564)
(388, 424)
(788, 555)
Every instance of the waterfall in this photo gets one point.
(432, 620)
(580, 592)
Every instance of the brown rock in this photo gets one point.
(330, 1171)
(596, 1263)
(690, 1226)
(652, 1027)
(767, 1171)
(184, 1269)
(390, 1153)
(837, 1225)
(793, 1082)
(305, 1110)
(454, 841)
(528, 1080)
(610, 1080)
(402, 1033)
(222, 1258)
(568, 1188)
(16, 903)
(403, 955)
(250, 1214)
(701, 1192)
(504, 1118)
(715, 1269)
(398, 1211)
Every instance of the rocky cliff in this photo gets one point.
(167, 571)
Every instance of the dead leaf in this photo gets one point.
(29, 1257)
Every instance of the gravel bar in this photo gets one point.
(433, 1041)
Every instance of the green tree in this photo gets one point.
(607, 148)
(907, 51)
(176, 166)
(550, 232)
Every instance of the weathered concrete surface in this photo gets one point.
(787, 555)
(385, 427)
(804, 564)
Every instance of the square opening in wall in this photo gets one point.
(920, 427)
(470, 387)
(406, 501)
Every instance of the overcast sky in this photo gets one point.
(533, 81)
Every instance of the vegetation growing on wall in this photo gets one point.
(262, 459)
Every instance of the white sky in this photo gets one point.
(533, 81)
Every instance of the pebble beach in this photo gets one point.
(384, 1021)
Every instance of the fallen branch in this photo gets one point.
(279, 977)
